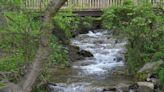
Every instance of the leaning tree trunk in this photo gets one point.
(43, 51)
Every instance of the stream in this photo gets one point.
(94, 73)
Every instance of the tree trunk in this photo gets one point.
(43, 51)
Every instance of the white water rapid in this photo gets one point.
(108, 54)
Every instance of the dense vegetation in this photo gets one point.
(19, 37)
(19, 40)
(144, 28)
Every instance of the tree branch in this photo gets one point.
(43, 52)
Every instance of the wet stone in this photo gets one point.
(109, 90)
(85, 53)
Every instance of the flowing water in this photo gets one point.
(94, 73)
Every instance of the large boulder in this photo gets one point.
(76, 54)
(152, 78)
(146, 84)
(150, 67)
(136, 87)
(85, 53)
(141, 87)
(121, 87)
(73, 53)
(109, 90)
(80, 31)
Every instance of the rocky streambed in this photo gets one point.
(102, 70)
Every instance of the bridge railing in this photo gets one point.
(35, 4)
(93, 4)
(75, 4)
(80, 4)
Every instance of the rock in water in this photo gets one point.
(73, 53)
(85, 53)
(119, 59)
(133, 88)
(122, 87)
(146, 84)
(76, 54)
(109, 90)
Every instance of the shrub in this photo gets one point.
(59, 54)
(63, 22)
(144, 29)
(67, 22)
(19, 40)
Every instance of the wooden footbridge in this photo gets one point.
(82, 7)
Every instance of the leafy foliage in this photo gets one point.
(161, 76)
(145, 32)
(58, 53)
(19, 40)
(63, 21)
(9, 1)
(12, 63)
(68, 22)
